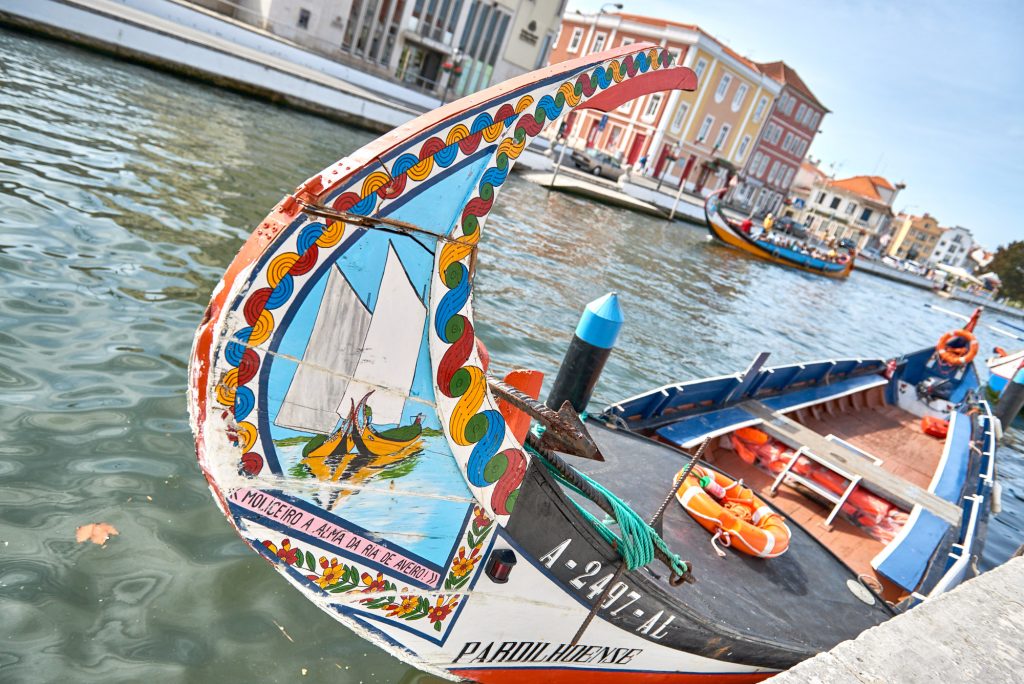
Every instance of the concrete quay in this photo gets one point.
(974, 633)
(186, 40)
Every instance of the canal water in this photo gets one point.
(123, 195)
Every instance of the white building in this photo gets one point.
(858, 208)
(953, 247)
(441, 46)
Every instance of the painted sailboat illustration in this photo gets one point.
(347, 415)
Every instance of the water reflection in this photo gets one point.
(123, 195)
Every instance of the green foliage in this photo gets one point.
(300, 470)
(291, 441)
(401, 468)
(1008, 264)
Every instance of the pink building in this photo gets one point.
(782, 144)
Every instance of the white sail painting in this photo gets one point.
(389, 352)
(347, 342)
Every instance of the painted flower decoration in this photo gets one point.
(406, 606)
(285, 552)
(443, 608)
(372, 585)
(332, 572)
(480, 519)
(463, 565)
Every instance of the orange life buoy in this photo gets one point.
(736, 517)
(957, 356)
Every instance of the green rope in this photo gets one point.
(638, 540)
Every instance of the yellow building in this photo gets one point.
(914, 237)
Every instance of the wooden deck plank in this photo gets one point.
(887, 483)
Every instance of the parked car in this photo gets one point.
(891, 261)
(870, 253)
(787, 225)
(597, 163)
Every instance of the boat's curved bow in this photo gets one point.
(342, 415)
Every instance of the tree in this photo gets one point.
(1008, 264)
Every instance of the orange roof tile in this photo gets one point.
(786, 75)
(865, 186)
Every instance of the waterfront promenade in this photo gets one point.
(974, 631)
(187, 40)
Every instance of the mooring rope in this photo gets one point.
(638, 540)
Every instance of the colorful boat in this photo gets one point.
(350, 433)
(1001, 369)
(782, 250)
(890, 465)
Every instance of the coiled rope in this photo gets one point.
(638, 540)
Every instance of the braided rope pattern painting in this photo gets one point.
(473, 424)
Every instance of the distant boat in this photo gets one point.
(1001, 368)
(789, 252)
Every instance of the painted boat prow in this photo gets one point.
(394, 537)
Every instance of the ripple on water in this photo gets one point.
(123, 195)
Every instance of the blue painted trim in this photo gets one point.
(906, 564)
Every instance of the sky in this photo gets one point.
(930, 94)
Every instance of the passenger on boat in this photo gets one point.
(745, 226)
(769, 221)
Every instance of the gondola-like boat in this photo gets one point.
(349, 431)
(1001, 369)
(782, 250)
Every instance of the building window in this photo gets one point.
(835, 203)
(614, 138)
(789, 177)
(741, 94)
(653, 103)
(800, 111)
(815, 121)
(702, 65)
(574, 42)
(774, 172)
(821, 198)
(762, 165)
(788, 107)
(705, 128)
(787, 141)
(626, 41)
(723, 87)
(742, 151)
(677, 120)
(776, 134)
(304, 16)
(723, 135)
(865, 215)
(598, 42)
(851, 207)
(759, 112)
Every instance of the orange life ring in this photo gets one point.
(957, 356)
(739, 519)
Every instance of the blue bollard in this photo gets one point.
(590, 348)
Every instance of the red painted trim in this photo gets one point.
(674, 78)
(517, 675)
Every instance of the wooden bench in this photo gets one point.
(850, 465)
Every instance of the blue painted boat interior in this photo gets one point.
(683, 414)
